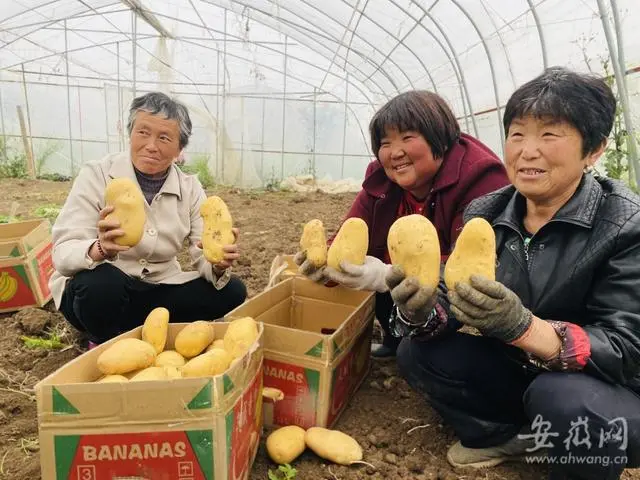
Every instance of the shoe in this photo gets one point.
(512, 450)
(382, 351)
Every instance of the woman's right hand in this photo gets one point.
(108, 231)
(308, 269)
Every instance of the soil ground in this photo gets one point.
(401, 435)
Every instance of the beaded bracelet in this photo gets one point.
(100, 250)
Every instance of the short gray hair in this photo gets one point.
(157, 102)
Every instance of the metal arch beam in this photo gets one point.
(142, 12)
(297, 27)
(543, 44)
(276, 51)
(456, 67)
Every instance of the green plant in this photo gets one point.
(52, 341)
(272, 182)
(200, 167)
(284, 472)
(49, 211)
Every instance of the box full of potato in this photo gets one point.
(165, 400)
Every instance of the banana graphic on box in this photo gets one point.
(8, 287)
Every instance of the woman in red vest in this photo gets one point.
(423, 165)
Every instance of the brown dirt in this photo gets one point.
(382, 416)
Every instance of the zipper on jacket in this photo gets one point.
(526, 241)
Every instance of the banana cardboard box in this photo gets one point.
(25, 264)
(205, 428)
(317, 343)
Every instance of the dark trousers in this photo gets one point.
(480, 387)
(106, 302)
(384, 303)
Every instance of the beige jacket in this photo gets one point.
(172, 217)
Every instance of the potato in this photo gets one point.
(125, 356)
(350, 244)
(125, 196)
(148, 374)
(473, 254)
(155, 327)
(217, 228)
(169, 358)
(112, 379)
(172, 372)
(313, 242)
(240, 335)
(413, 245)
(333, 445)
(206, 365)
(218, 343)
(286, 444)
(271, 393)
(194, 338)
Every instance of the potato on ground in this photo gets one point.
(333, 445)
(286, 444)
(125, 356)
(413, 245)
(169, 358)
(155, 328)
(313, 243)
(473, 254)
(240, 335)
(126, 198)
(194, 338)
(350, 244)
(217, 231)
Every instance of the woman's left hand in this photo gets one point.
(490, 307)
(231, 253)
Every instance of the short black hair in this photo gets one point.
(421, 111)
(158, 103)
(583, 100)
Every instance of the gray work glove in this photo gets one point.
(490, 307)
(414, 301)
(306, 268)
(368, 276)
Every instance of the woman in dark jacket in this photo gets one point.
(424, 165)
(557, 367)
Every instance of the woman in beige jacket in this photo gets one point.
(104, 289)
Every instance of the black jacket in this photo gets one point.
(582, 267)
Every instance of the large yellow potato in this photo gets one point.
(194, 338)
(213, 362)
(473, 254)
(169, 358)
(240, 335)
(112, 379)
(350, 244)
(217, 228)
(333, 445)
(125, 356)
(218, 343)
(286, 444)
(125, 196)
(155, 327)
(150, 373)
(172, 372)
(413, 245)
(313, 242)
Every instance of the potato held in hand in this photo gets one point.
(413, 245)
(194, 338)
(286, 444)
(313, 242)
(333, 445)
(155, 327)
(350, 244)
(240, 335)
(473, 254)
(126, 355)
(217, 228)
(126, 198)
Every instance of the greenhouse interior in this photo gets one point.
(286, 88)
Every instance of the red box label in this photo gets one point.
(15, 290)
(44, 271)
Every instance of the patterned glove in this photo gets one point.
(306, 268)
(490, 307)
(414, 301)
(368, 276)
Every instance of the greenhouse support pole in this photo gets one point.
(26, 104)
(543, 44)
(313, 143)
(218, 112)
(66, 60)
(224, 100)
(242, 123)
(31, 169)
(4, 136)
(264, 106)
(134, 42)
(284, 99)
(80, 124)
(344, 125)
(106, 119)
(624, 99)
(118, 86)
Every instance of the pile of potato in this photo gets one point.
(286, 444)
(197, 353)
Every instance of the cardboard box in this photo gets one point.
(25, 264)
(183, 429)
(317, 345)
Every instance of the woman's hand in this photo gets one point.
(490, 307)
(231, 253)
(414, 301)
(308, 269)
(369, 276)
(108, 231)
